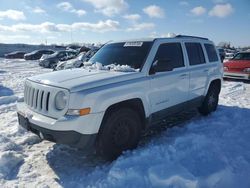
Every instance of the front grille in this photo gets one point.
(37, 98)
(40, 98)
(235, 70)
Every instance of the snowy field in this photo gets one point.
(198, 151)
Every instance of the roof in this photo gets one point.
(153, 39)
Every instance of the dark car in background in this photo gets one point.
(51, 61)
(84, 49)
(37, 54)
(76, 62)
(15, 55)
(73, 47)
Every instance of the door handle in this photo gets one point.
(183, 75)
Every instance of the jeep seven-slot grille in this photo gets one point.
(37, 98)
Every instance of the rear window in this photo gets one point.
(195, 53)
(211, 52)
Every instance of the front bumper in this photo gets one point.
(79, 131)
(244, 76)
(70, 138)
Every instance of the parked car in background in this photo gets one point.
(73, 47)
(72, 63)
(84, 49)
(15, 55)
(51, 61)
(37, 54)
(76, 62)
(238, 67)
(229, 55)
(222, 54)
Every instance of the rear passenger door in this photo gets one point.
(197, 69)
(169, 82)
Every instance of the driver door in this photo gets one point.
(169, 81)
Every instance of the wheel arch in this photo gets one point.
(135, 103)
(217, 82)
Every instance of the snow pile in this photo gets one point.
(111, 67)
(8, 99)
(8, 163)
(197, 152)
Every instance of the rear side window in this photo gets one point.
(195, 53)
(171, 52)
(211, 52)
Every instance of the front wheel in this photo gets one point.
(210, 102)
(120, 131)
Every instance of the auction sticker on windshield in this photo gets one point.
(134, 44)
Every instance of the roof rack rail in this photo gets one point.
(187, 36)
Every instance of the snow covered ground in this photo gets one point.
(211, 151)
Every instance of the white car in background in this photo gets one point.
(229, 55)
(76, 62)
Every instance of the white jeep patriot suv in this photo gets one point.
(124, 89)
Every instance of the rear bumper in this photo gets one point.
(244, 76)
(71, 138)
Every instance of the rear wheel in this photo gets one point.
(120, 131)
(210, 102)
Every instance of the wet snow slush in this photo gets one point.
(194, 151)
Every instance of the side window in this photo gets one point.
(68, 54)
(211, 52)
(168, 57)
(195, 53)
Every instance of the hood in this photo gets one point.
(61, 64)
(72, 63)
(80, 79)
(240, 64)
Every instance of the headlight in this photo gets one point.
(225, 68)
(247, 70)
(60, 100)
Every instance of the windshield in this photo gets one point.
(242, 56)
(132, 54)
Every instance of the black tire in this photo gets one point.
(210, 102)
(120, 131)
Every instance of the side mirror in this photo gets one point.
(161, 65)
